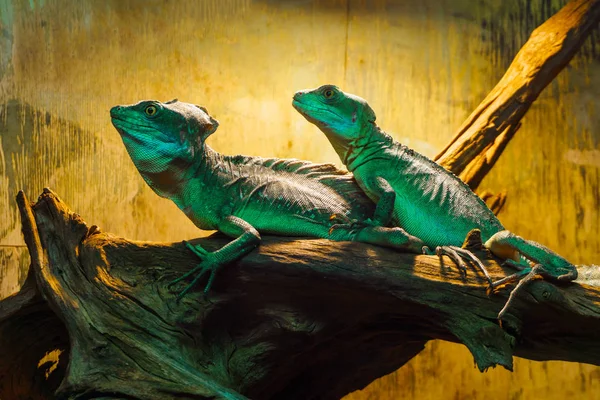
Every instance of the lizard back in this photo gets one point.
(281, 196)
(433, 203)
(166, 142)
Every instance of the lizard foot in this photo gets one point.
(524, 276)
(354, 225)
(208, 264)
(528, 273)
(458, 254)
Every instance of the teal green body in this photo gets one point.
(430, 203)
(415, 193)
(242, 196)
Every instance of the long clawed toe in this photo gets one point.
(524, 276)
(350, 226)
(528, 275)
(198, 272)
(458, 255)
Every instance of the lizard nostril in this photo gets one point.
(115, 110)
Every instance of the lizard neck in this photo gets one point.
(171, 177)
(366, 146)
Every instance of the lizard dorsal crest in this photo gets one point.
(194, 124)
(207, 123)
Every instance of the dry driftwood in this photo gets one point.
(484, 135)
(295, 319)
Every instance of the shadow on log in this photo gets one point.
(295, 319)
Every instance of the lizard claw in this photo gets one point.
(450, 251)
(208, 264)
(199, 271)
(197, 250)
(529, 274)
(427, 251)
(457, 254)
(352, 226)
(525, 275)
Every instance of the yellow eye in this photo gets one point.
(328, 93)
(150, 111)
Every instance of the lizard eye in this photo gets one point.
(328, 93)
(150, 110)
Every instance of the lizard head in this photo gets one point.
(163, 139)
(155, 132)
(343, 117)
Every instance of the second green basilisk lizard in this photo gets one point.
(419, 195)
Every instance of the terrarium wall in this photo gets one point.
(423, 65)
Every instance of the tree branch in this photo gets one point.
(482, 138)
(294, 319)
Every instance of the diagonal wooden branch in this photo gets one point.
(294, 319)
(482, 138)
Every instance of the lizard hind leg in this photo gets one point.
(546, 263)
(515, 250)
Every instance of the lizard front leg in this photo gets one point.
(246, 238)
(396, 238)
(385, 206)
(381, 189)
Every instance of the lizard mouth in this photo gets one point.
(305, 108)
(298, 105)
(121, 125)
(308, 111)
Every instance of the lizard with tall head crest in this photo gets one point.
(415, 193)
(242, 196)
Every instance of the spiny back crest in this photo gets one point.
(193, 120)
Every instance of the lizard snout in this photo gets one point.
(116, 111)
(299, 94)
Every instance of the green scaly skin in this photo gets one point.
(415, 193)
(242, 195)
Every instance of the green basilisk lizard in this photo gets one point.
(242, 196)
(415, 193)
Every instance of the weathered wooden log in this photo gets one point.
(295, 319)
(482, 138)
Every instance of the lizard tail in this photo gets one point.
(588, 275)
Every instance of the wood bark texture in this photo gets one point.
(295, 319)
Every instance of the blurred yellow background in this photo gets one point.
(423, 65)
